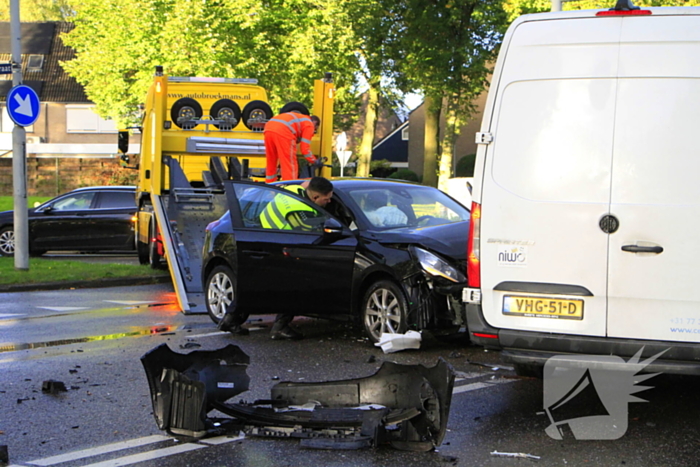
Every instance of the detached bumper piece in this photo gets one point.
(405, 406)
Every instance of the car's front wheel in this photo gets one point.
(7, 241)
(384, 310)
(221, 292)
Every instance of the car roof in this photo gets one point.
(359, 182)
(104, 188)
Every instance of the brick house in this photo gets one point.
(69, 145)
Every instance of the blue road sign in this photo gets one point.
(23, 105)
(5, 68)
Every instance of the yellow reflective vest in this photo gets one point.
(286, 212)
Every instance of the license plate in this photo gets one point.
(542, 307)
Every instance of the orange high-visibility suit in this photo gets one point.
(282, 133)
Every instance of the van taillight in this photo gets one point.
(473, 252)
(624, 13)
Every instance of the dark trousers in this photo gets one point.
(282, 320)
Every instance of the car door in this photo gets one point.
(63, 224)
(282, 270)
(113, 227)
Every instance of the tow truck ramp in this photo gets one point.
(182, 215)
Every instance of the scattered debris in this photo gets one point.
(455, 354)
(371, 359)
(390, 342)
(53, 387)
(520, 455)
(405, 406)
(190, 345)
(72, 371)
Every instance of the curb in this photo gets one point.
(113, 282)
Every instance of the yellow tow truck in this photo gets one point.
(197, 134)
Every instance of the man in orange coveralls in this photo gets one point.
(282, 133)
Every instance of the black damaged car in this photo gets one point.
(387, 253)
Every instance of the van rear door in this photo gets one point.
(656, 182)
(546, 181)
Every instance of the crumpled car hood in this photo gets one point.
(448, 239)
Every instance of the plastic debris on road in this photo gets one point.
(519, 455)
(391, 343)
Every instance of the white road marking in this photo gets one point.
(11, 315)
(475, 386)
(202, 443)
(147, 456)
(130, 302)
(107, 448)
(63, 308)
(222, 439)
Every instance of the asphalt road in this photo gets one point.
(92, 341)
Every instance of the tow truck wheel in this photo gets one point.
(384, 310)
(225, 109)
(7, 241)
(295, 107)
(142, 251)
(183, 111)
(153, 255)
(221, 292)
(256, 111)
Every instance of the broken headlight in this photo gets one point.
(436, 266)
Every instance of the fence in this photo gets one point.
(51, 176)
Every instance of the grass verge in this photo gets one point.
(7, 203)
(47, 270)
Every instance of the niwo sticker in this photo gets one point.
(512, 255)
(225, 385)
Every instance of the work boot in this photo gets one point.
(227, 324)
(287, 333)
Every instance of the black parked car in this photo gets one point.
(86, 219)
(388, 253)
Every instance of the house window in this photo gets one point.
(35, 63)
(82, 119)
(7, 125)
(404, 133)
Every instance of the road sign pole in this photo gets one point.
(19, 155)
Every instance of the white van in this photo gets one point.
(586, 203)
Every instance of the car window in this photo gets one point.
(75, 202)
(407, 206)
(266, 208)
(117, 200)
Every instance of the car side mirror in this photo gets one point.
(332, 227)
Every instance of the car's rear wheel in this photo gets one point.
(221, 292)
(384, 310)
(7, 241)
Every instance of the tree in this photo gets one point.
(449, 46)
(38, 10)
(284, 44)
(515, 8)
(374, 35)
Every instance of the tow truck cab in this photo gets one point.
(195, 134)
